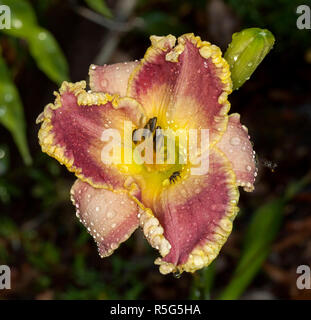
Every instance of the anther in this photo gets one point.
(152, 123)
(133, 136)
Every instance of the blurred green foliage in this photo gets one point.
(49, 58)
(157, 22)
(11, 111)
(262, 230)
(43, 46)
(100, 6)
(203, 282)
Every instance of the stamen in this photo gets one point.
(152, 122)
(147, 126)
(133, 134)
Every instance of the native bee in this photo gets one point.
(174, 176)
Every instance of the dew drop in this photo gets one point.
(104, 83)
(235, 141)
(2, 110)
(2, 154)
(17, 23)
(8, 97)
(109, 214)
(177, 274)
(42, 36)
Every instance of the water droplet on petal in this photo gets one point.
(235, 141)
(104, 83)
(109, 214)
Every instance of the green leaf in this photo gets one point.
(100, 6)
(42, 45)
(261, 232)
(11, 111)
(246, 51)
(202, 283)
(48, 55)
(23, 17)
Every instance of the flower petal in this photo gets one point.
(72, 131)
(187, 84)
(196, 213)
(110, 217)
(111, 78)
(237, 147)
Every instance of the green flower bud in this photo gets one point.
(246, 51)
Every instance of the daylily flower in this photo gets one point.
(185, 86)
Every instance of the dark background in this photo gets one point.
(51, 255)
